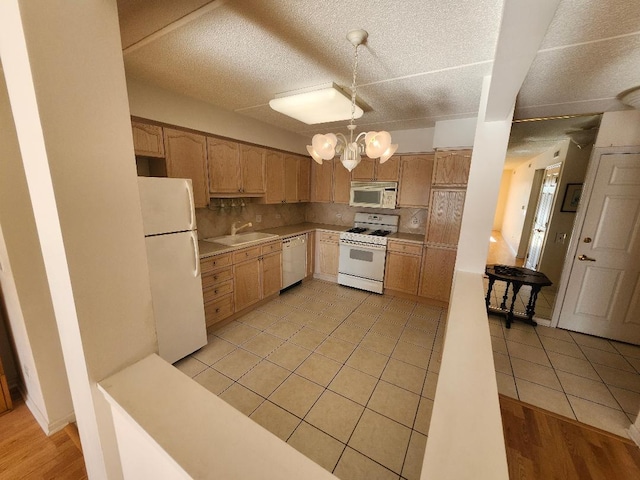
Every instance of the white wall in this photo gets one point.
(63, 66)
(24, 286)
(573, 170)
(418, 140)
(518, 198)
(154, 103)
(503, 195)
(619, 129)
(455, 133)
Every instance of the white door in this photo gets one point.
(603, 292)
(543, 214)
(176, 292)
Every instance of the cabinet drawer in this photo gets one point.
(246, 254)
(329, 237)
(408, 248)
(271, 247)
(217, 291)
(212, 279)
(210, 264)
(218, 309)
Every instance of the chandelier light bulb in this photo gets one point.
(373, 144)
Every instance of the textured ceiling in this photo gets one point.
(423, 61)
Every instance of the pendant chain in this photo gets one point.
(353, 92)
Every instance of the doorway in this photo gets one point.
(543, 210)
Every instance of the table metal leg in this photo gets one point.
(503, 305)
(487, 299)
(531, 306)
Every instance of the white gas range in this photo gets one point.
(363, 250)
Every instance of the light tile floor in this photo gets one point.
(346, 377)
(591, 379)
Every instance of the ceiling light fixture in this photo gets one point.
(373, 144)
(321, 104)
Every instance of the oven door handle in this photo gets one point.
(363, 246)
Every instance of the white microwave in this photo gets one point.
(373, 194)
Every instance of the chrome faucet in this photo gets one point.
(235, 229)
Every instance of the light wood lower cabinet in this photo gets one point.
(327, 255)
(402, 269)
(217, 287)
(436, 274)
(5, 396)
(257, 273)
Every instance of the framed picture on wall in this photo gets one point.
(571, 197)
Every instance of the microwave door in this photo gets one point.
(366, 197)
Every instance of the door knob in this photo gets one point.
(584, 258)
(587, 240)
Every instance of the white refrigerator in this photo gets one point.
(171, 238)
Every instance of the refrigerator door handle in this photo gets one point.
(191, 206)
(196, 257)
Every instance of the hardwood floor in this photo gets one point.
(543, 445)
(27, 453)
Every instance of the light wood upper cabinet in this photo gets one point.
(451, 168)
(287, 178)
(186, 155)
(291, 168)
(445, 217)
(415, 180)
(372, 170)
(365, 171)
(251, 169)
(341, 182)
(436, 274)
(402, 269)
(147, 140)
(224, 166)
(322, 181)
(388, 171)
(274, 177)
(304, 179)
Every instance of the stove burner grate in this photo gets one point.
(357, 230)
(380, 233)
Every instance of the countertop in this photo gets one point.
(208, 249)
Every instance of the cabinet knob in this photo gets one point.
(215, 277)
(217, 310)
(215, 291)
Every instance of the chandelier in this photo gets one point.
(373, 144)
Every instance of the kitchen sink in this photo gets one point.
(241, 238)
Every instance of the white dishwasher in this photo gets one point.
(294, 260)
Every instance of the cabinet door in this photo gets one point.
(402, 272)
(451, 168)
(321, 181)
(252, 168)
(274, 172)
(445, 217)
(304, 179)
(365, 171)
(186, 155)
(147, 140)
(415, 180)
(290, 178)
(341, 182)
(247, 288)
(271, 274)
(389, 170)
(437, 273)
(5, 396)
(328, 255)
(224, 166)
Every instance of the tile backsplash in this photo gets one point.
(412, 220)
(216, 220)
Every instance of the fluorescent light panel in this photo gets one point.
(318, 106)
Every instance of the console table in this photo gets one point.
(516, 276)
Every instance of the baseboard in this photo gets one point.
(48, 427)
